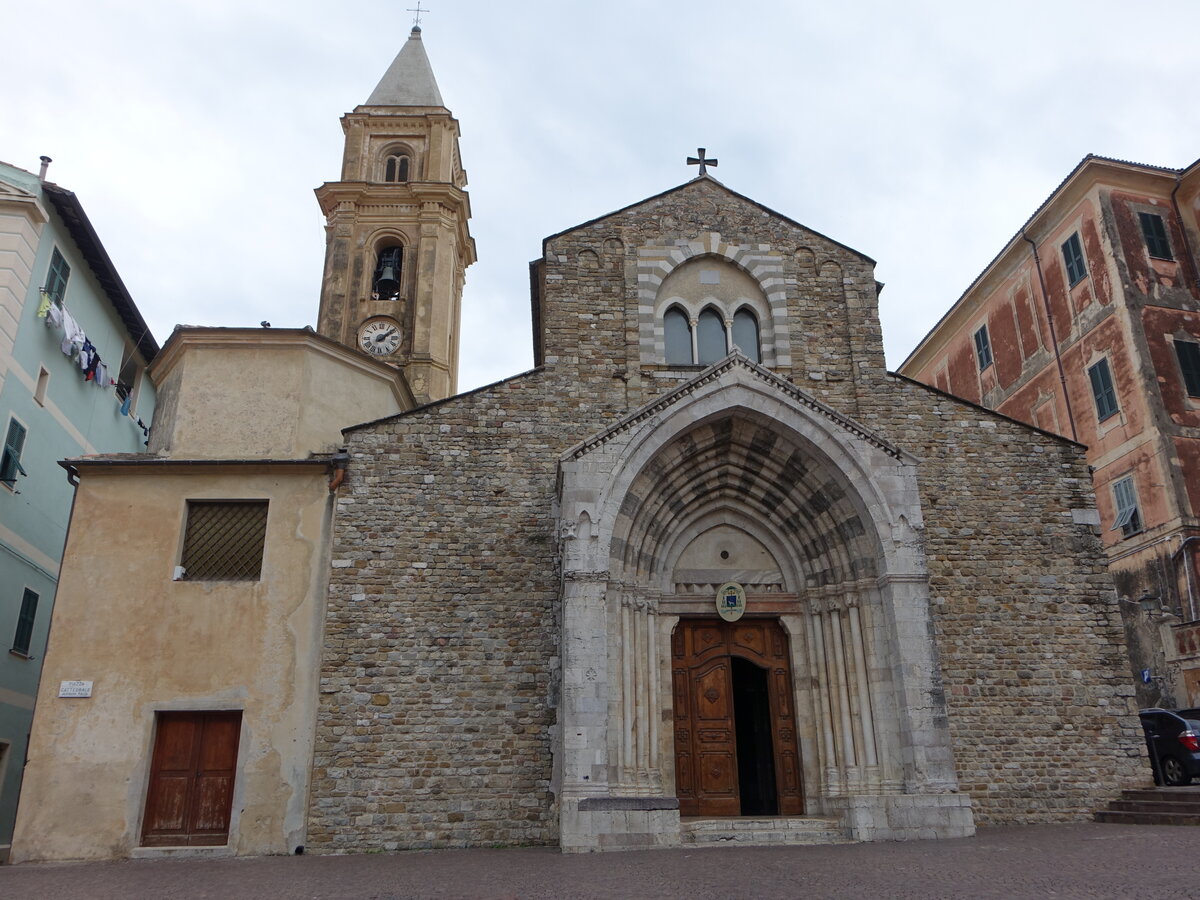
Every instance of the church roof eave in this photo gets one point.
(409, 79)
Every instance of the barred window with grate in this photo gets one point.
(224, 540)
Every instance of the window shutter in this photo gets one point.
(1102, 390)
(14, 444)
(1188, 354)
(1154, 232)
(24, 636)
(57, 277)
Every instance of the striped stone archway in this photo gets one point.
(837, 511)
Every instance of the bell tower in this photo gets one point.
(397, 241)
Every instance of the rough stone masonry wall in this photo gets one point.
(439, 679)
(1032, 648)
(441, 637)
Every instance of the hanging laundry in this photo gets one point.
(86, 354)
(44, 306)
(125, 404)
(73, 336)
(101, 373)
(54, 316)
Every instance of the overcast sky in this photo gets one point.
(920, 133)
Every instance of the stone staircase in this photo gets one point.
(1154, 806)
(765, 831)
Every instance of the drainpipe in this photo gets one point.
(1187, 571)
(339, 462)
(1062, 375)
(1187, 244)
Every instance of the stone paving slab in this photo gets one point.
(1060, 861)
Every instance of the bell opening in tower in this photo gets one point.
(385, 283)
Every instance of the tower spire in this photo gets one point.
(409, 79)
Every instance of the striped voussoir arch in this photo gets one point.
(745, 466)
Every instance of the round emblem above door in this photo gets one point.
(379, 337)
(731, 601)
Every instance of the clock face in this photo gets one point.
(379, 337)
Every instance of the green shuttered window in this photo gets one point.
(1103, 390)
(1188, 354)
(1155, 235)
(1128, 519)
(1072, 252)
(24, 636)
(983, 348)
(10, 461)
(56, 278)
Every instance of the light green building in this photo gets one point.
(73, 354)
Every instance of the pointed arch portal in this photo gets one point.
(824, 697)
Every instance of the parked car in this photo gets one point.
(1173, 740)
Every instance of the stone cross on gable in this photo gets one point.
(700, 161)
(417, 17)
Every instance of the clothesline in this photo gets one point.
(76, 347)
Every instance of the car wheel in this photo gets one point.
(1174, 773)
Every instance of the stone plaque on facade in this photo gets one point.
(75, 689)
(731, 601)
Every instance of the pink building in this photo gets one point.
(1087, 324)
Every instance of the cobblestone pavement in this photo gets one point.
(1060, 861)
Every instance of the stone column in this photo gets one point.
(832, 776)
(585, 696)
(866, 713)
(924, 726)
(639, 671)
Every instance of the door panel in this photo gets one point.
(706, 766)
(191, 779)
(715, 746)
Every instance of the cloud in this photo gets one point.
(922, 134)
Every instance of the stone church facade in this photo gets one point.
(521, 638)
(516, 571)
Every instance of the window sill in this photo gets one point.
(13, 651)
(217, 580)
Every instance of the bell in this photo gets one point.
(387, 286)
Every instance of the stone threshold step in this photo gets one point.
(765, 839)
(1182, 795)
(1150, 806)
(1147, 819)
(771, 823)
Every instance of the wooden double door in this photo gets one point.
(192, 774)
(735, 726)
